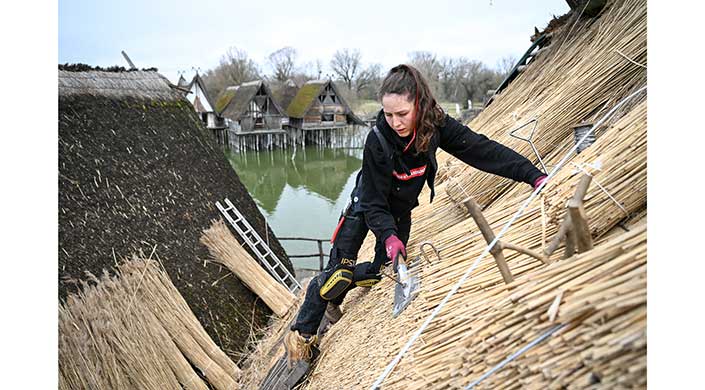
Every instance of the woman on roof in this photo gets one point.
(399, 157)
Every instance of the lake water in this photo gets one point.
(300, 193)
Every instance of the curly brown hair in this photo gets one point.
(406, 80)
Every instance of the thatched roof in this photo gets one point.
(473, 320)
(285, 92)
(308, 93)
(234, 101)
(138, 172)
(138, 84)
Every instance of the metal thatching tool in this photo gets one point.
(405, 288)
(529, 139)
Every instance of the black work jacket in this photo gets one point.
(388, 186)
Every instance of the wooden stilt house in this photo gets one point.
(253, 118)
(202, 104)
(319, 115)
(319, 105)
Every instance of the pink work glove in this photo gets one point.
(394, 247)
(540, 181)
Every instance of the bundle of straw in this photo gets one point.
(600, 295)
(225, 249)
(134, 330)
(269, 349)
(587, 69)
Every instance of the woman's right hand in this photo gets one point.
(394, 247)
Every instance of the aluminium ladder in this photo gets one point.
(258, 246)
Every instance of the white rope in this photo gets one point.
(489, 246)
(515, 355)
(600, 186)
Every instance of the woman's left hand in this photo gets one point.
(540, 181)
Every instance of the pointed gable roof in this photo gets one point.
(197, 80)
(309, 92)
(234, 101)
(182, 82)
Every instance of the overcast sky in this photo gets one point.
(178, 36)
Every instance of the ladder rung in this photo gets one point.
(257, 245)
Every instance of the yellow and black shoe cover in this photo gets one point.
(368, 282)
(363, 277)
(336, 283)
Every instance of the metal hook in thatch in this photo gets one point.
(529, 139)
(435, 250)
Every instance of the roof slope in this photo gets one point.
(284, 93)
(139, 172)
(304, 98)
(579, 77)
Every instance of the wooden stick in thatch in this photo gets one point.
(578, 197)
(580, 225)
(496, 250)
(226, 250)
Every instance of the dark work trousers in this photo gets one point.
(346, 245)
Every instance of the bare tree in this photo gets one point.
(235, 68)
(506, 64)
(368, 81)
(429, 66)
(462, 79)
(282, 62)
(345, 64)
(476, 79)
(319, 68)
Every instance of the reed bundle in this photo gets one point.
(579, 77)
(225, 249)
(600, 295)
(134, 330)
(269, 349)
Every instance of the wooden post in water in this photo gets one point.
(320, 255)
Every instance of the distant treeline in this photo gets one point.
(451, 79)
(86, 68)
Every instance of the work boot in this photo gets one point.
(300, 347)
(333, 313)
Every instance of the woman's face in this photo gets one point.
(399, 112)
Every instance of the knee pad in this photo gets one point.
(363, 277)
(337, 282)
